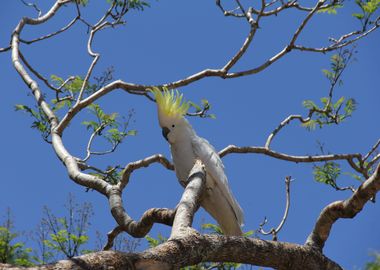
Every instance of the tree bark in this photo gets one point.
(194, 248)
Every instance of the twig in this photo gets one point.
(376, 145)
(51, 34)
(34, 6)
(38, 75)
(336, 46)
(274, 231)
(283, 124)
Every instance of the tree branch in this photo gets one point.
(131, 167)
(298, 159)
(343, 209)
(137, 228)
(274, 231)
(194, 248)
(190, 201)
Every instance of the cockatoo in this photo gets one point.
(185, 148)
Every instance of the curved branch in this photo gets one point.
(143, 163)
(274, 231)
(348, 208)
(137, 228)
(70, 162)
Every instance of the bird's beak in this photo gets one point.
(165, 132)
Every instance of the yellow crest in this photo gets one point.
(170, 103)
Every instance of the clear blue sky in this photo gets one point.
(169, 41)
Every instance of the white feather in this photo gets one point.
(218, 200)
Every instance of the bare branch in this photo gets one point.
(34, 6)
(348, 208)
(262, 150)
(71, 23)
(137, 228)
(190, 201)
(111, 237)
(376, 145)
(143, 163)
(38, 75)
(341, 42)
(5, 49)
(283, 124)
(274, 232)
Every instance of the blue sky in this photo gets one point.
(170, 41)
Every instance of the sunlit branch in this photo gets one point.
(51, 34)
(298, 159)
(348, 208)
(274, 231)
(340, 42)
(33, 6)
(283, 124)
(38, 75)
(190, 200)
(136, 228)
(158, 158)
(111, 237)
(376, 145)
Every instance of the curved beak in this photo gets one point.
(165, 132)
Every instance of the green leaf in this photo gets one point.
(213, 228)
(212, 116)
(308, 104)
(330, 10)
(91, 124)
(371, 6)
(310, 125)
(328, 173)
(195, 106)
(358, 15)
(132, 132)
(338, 103)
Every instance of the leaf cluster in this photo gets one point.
(329, 113)
(40, 122)
(331, 9)
(202, 109)
(108, 126)
(68, 234)
(12, 252)
(367, 10)
(328, 173)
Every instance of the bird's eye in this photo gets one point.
(173, 126)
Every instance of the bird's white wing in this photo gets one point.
(215, 168)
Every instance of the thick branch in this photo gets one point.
(190, 200)
(195, 248)
(343, 209)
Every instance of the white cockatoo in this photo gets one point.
(186, 147)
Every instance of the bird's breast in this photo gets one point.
(183, 159)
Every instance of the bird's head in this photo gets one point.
(171, 110)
